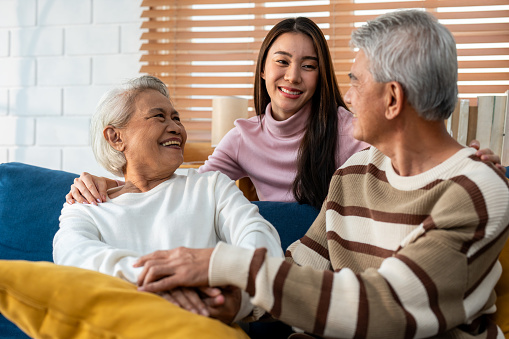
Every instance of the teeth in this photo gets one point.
(171, 142)
(289, 92)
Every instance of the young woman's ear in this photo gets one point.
(262, 72)
(395, 98)
(112, 135)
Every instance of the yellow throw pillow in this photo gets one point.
(50, 301)
(502, 289)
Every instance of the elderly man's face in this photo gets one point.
(367, 101)
(154, 137)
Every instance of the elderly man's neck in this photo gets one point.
(418, 145)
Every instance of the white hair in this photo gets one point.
(414, 49)
(116, 108)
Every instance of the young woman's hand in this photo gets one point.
(487, 155)
(89, 189)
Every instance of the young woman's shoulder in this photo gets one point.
(247, 129)
(252, 123)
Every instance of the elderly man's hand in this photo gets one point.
(195, 300)
(166, 270)
(218, 303)
(228, 309)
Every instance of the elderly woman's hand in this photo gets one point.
(166, 270)
(487, 155)
(89, 189)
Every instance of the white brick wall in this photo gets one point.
(4, 42)
(4, 102)
(37, 41)
(57, 58)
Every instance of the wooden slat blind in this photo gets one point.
(206, 48)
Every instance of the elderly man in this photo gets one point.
(406, 243)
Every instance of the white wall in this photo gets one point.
(57, 57)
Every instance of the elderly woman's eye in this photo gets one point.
(160, 115)
(176, 118)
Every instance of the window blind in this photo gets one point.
(207, 48)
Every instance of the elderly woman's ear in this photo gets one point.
(112, 135)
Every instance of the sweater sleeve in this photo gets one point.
(239, 222)
(78, 243)
(225, 157)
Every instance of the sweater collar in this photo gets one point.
(292, 126)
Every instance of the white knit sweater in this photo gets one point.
(196, 210)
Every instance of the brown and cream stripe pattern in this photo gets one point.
(390, 256)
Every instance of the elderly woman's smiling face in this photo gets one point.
(153, 140)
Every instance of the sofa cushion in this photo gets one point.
(290, 219)
(70, 302)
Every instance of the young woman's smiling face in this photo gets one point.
(290, 73)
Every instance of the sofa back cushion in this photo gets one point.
(31, 199)
(290, 219)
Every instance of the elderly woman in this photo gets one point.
(136, 133)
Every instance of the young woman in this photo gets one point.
(302, 131)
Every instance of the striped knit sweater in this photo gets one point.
(388, 256)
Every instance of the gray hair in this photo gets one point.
(116, 108)
(412, 48)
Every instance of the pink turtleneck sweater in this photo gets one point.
(268, 155)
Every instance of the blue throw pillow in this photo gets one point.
(290, 219)
(31, 199)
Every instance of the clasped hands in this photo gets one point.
(181, 277)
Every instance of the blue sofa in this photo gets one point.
(31, 198)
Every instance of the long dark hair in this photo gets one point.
(317, 152)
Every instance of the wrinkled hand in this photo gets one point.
(169, 269)
(89, 189)
(195, 300)
(487, 155)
